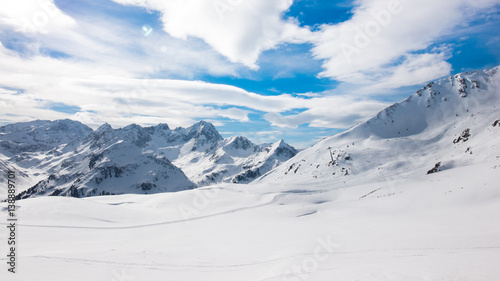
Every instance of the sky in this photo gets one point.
(267, 70)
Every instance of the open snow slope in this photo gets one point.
(437, 227)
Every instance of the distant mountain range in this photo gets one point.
(67, 158)
(453, 122)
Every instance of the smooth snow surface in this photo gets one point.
(438, 227)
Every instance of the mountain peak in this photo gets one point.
(203, 126)
(102, 135)
(282, 148)
(205, 129)
(202, 123)
(162, 127)
(104, 128)
(440, 100)
(281, 142)
(136, 134)
(240, 142)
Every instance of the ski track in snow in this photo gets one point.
(274, 200)
(388, 253)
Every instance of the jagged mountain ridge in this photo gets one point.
(235, 160)
(449, 123)
(134, 159)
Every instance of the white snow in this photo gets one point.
(380, 217)
(438, 227)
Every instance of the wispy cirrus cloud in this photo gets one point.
(103, 97)
(328, 112)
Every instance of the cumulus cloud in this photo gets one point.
(38, 27)
(240, 30)
(386, 42)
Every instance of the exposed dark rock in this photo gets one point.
(247, 176)
(435, 169)
(463, 137)
(147, 186)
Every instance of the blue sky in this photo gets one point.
(268, 70)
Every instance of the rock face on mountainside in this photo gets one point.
(236, 160)
(67, 158)
(452, 122)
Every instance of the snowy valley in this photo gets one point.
(412, 194)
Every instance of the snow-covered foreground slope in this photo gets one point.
(442, 226)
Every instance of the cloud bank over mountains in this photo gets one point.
(61, 61)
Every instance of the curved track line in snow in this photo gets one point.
(164, 266)
(391, 252)
(274, 200)
(235, 267)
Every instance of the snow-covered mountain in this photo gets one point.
(67, 158)
(39, 135)
(235, 160)
(206, 157)
(450, 123)
(108, 161)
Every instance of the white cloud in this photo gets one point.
(328, 112)
(377, 45)
(384, 45)
(109, 41)
(103, 96)
(34, 16)
(414, 70)
(238, 29)
(123, 81)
